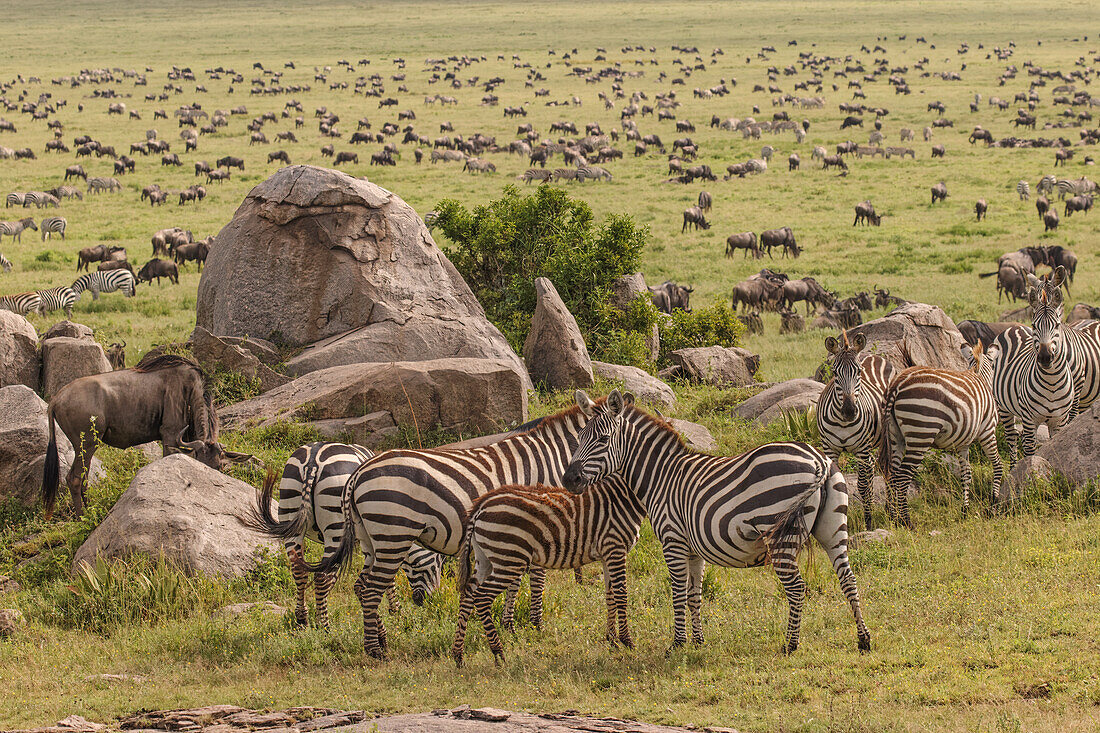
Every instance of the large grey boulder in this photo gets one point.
(695, 435)
(924, 331)
(646, 387)
(314, 254)
(770, 404)
(1073, 452)
(554, 350)
(68, 328)
(471, 394)
(185, 511)
(19, 362)
(716, 365)
(65, 358)
(24, 434)
(217, 353)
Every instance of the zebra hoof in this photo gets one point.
(302, 619)
(864, 644)
(458, 660)
(498, 658)
(627, 642)
(788, 649)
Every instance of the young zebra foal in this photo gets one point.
(516, 527)
(938, 408)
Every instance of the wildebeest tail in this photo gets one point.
(51, 472)
(987, 274)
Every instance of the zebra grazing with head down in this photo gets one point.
(759, 507)
(21, 303)
(310, 494)
(1035, 372)
(929, 408)
(5, 263)
(14, 229)
(517, 527)
(406, 497)
(1023, 189)
(40, 198)
(1045, 187)
(52, 225)
(105, 281)
(849, 411)
(1076, 187)
(55, 299)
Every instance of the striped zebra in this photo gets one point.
(15, 199)
(55, 299)
(929, 408)
(517, 527)
(38, 199)
(309, 506)
(1033, 370)
(5, 263)
(14, 229)
(849, 411)
(759, 507)
(98, 184)
(1023, 190)
(21, 303)
(1045, 186)
(105, 281)
(52, 225)
(407, 497)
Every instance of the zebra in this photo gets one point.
(55, 299)
(744, 511)
(98, 184)
(105, 281)
(309, 506)
(1033, 370)
(14, 229)
(1024, 190)
(516, 527)
(938, 408)
(39, 199)
(1045, 186)
(405, 497)
(21, 303)
(52, 225)
(849, 410)
(5, 263)
(1076, 187)
(1083, 345)
(15, 199)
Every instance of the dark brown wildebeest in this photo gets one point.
(669, 296)
(793, 162)
(170, 159)
(345, 156)
(833, 161)
(75, 171)
(745, 241)
(1083, 312)
(756, 293)
(1011, 282)
(865, 213)
(202, 167)
(1042, 205)
(231, 162)
(327, 151)
(157, 268)
(1050, 220)
(974, 332)
(883, 299)
(217, 175)
(782, 237)
(939, 192)
(162, 398)
(1059, 255)
(278, 155)
(694, 217)
(938, 151)
(980, 207)
(98, 253)
(851, 121)
(149, 190)
(806, 289)
(705, 201)
(192, 252)
(116, 355)
(1077, 203)
(115, 265)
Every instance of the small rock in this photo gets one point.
(489, 715)
(462, 711)
(75, 722)
(69, 329)
(135, 678)
(695, 435)
(935, 533)
(10, 620)
(263, 608)
(874, 535)
(719, 730)
(646, 388)
(8, 585)
(717, 365)
(770, 404)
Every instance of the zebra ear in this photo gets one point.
(1058, 276)
(832, 345)
(859, 341)
(584, 402)
(615, 402)
(628, 398)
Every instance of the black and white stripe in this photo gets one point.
(15, 199)
(105, 281)
(517, 527)
(407, 497)
(38, 199)
(98, 184)
(5, 263)
(52, 225)
(756, 508)
(1046, 185)
(14, 229)
(21, 303)
(55, 299)
(1076, 187)
(849, 411)
(1023, 190)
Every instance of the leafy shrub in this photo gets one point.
(714, 325)
(229, 387)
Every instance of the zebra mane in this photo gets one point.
(636, 414)
(543, 423)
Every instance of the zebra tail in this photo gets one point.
(338, 559)
(793, 520)
(462, 569)
(260, 518)
(51, 472)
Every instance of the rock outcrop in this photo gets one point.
(924, 331)
(716, 365)
(555, 352)
(217, 353)
(19, 362)
(65, 358)
(770, 404)
(646, 388)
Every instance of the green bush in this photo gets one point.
(715, 325)
(228, 388)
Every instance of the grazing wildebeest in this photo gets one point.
(75, 171)
(806, 289)
(865, 213)
(116, 355)
(793, 162)
(98, 253)
(756, 293)
(1078, 203)
(939, 192)
(694, 217)
(668, 296)
(1059, 255)
(745, 241)
(782, 237)
(162, 398)
(156, 269)
(345, 156)
(705, 201)
(980, 207)
(280, 155)
(191, 252)
(833, 161)
(231, 162)
(938, 151)
(1050, 220)
(1042, 205)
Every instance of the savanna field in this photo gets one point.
(978, 624)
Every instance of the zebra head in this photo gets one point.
(599, 450)
(846, 370)
(1045, 297)
(423, 568)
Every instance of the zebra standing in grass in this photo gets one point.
(1024, 190)
(309, 506)
(849, 411)
(55, 299)
(1045, 187)
(517, 527)
(98, 184)
(929, 408)
(5, 263)
(38, 199)
(52, 225)
(739, 512)
(14, 229)
(105, 281)
(21, 303)
(1033, 370)
(15, 199)
(407, 497)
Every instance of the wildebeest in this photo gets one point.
(280, 155)
(753, 322)
(758, 293)
(806, 289)
(191, 252)
(974, 332)
(745, 241)
(75, 171)
(1077, 203)
(1042, 205)
(938, 151)
(791, 322)
(156, 269)
(980, 208)
(939, 192)
(782, 237)
(669, 296)
(98, 253)
(694, 217)
(162, 398)
(833, 161)
(116, 355)
(165, 240)
(865, 213)
(1050, 220)
(793, 162)
(705, 201)
(345, 156)
(231, 162)
(883, 299)
(1059, 255)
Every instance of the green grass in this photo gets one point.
(968, 623)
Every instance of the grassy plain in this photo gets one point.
(988, 626)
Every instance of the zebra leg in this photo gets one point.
(392, 600)
(508, 618)
(696, 566)
(830, 528)
(967, 478)
(578, 575)
(322, 586)
(615, 571)
(784, 553)
(1008, 425)
(903, 477)
(865, 485)
(676, 559)
(1029, 428)
(612, 612)
(465, 607)
(301, 581)
(538, 585)
(373, 582)
(483, 597)
(989, 445)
